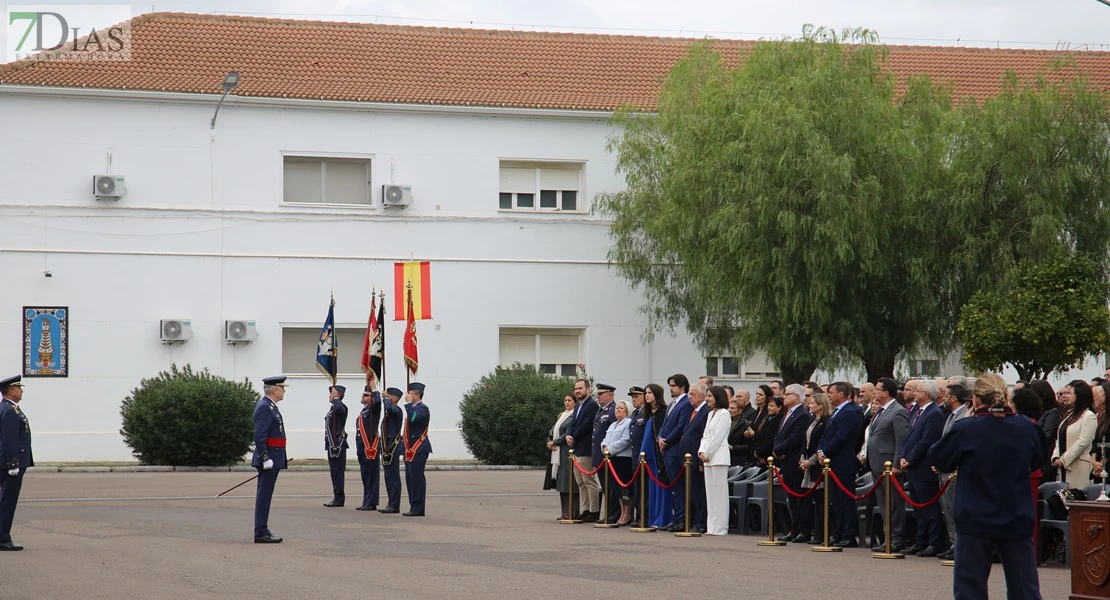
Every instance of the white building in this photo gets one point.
(501, 136)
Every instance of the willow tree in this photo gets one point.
(789, 204)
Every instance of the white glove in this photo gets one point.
(13, 472)
(269, 464)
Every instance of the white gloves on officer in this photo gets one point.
(13, 472)
(269, 464)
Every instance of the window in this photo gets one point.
(730, 367)
(534, 186)
(724, 366)
(924, 368)
(554, 351)
(298, 349)
(326, 180)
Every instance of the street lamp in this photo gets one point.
(231, 80)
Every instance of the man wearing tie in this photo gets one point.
(959, 398)
(689, 443)
(269, 454)
(335, 442)
(926, 426)
(838, 445)
(15, 456)
(678, 415)
(887, 433)
(417, 449)
(790, 441)
(580, 440)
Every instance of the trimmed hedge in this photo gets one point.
(185, 418)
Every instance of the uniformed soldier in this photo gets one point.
(392, 426)
(269, 454)
(15, 456)
(636, 430)
(605, 416)
(368, 445)
(417, 449)
(335, 442)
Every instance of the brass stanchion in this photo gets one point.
(886, 516)
(771, 541)
(570, 498)
(644, 527)
(828, 484)
(605, 507)
(687, 532)
(950, 563)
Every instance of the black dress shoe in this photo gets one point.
(9, 547)
(412, 514)
(846, 544)
(334, 504)
(389, 510)
(267, 539)
(634, 524)
(787, 538)
(589, 517)
(813, 541)
(913, 551)
(928, 552)
(367, 507)
(879, 548)
(947, 555)
(697, 530)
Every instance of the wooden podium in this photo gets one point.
(1089, 550)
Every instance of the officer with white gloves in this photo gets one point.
(269, 454)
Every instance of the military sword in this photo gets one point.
(245, 482)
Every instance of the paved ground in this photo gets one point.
(488, 535)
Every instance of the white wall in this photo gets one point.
(202, 234)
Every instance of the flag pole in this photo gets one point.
(368, 334)
(334, 341)
(381, 311)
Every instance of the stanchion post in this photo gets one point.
(687, 532)
(644, 527)
(770, 541)
(888, 474)
(605, 507)
(952, 479)
(570, 497)
(828, 484)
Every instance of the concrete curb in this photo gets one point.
(247, 469)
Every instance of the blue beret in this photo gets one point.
(416, 387)
(394, 392)
(10, 381)
(603, 387)
(277, 380)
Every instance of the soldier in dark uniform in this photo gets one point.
(335, 442)
(417, 449)
(636, 429)
(269, 454)
(368, 446)
(606, 414)
(391, 466)
(15, 456)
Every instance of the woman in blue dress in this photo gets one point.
(658, 499)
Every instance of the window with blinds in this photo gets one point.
(298, 350)
(758, 366)
(554, 351)
(326, 180)
(538, 186)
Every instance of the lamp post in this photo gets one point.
(231, 80)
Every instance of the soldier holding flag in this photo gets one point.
(335, 422)
(391, 467)
(368, 440)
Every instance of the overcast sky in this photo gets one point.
(1043, 24)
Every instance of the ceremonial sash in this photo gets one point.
(410, 453)
(370, 450)
(275, 442)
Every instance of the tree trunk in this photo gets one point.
(796, 373)
(1029, 372)
(879, 366)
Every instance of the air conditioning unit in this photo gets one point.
(240, 332)
(109, 186)
(396, 195)
(176, 330)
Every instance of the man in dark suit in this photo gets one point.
(605, 417)
(580, 440)
(269, 454)
(15, 456)
(887, 435)
(335, 442)
(790, 440)
(926, 427)
(392, 429)
(689, 443)
(368, 445)
(417, 449)
(678, 414)
(838, 444)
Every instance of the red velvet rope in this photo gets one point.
(584, 471)
(902, 492)
(805, 494)
(613, 470)
(672, 484)
(852, 493)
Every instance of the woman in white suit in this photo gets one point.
(715, 459)
(1072, 453)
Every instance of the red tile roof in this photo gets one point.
(420, 65)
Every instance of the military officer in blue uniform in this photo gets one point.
(269, 454)
(637, 429)
(995, 452)
(368, 445)
(417, 449)
(392, 427)
(15, 456)
(606, 415)
(335, 442)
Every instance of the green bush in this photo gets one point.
(182, 418)
(508, 414)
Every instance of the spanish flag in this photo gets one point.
(419, 275)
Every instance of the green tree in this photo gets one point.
(508, 414)
(187, 418)
(790, 204)
(1050, 317)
